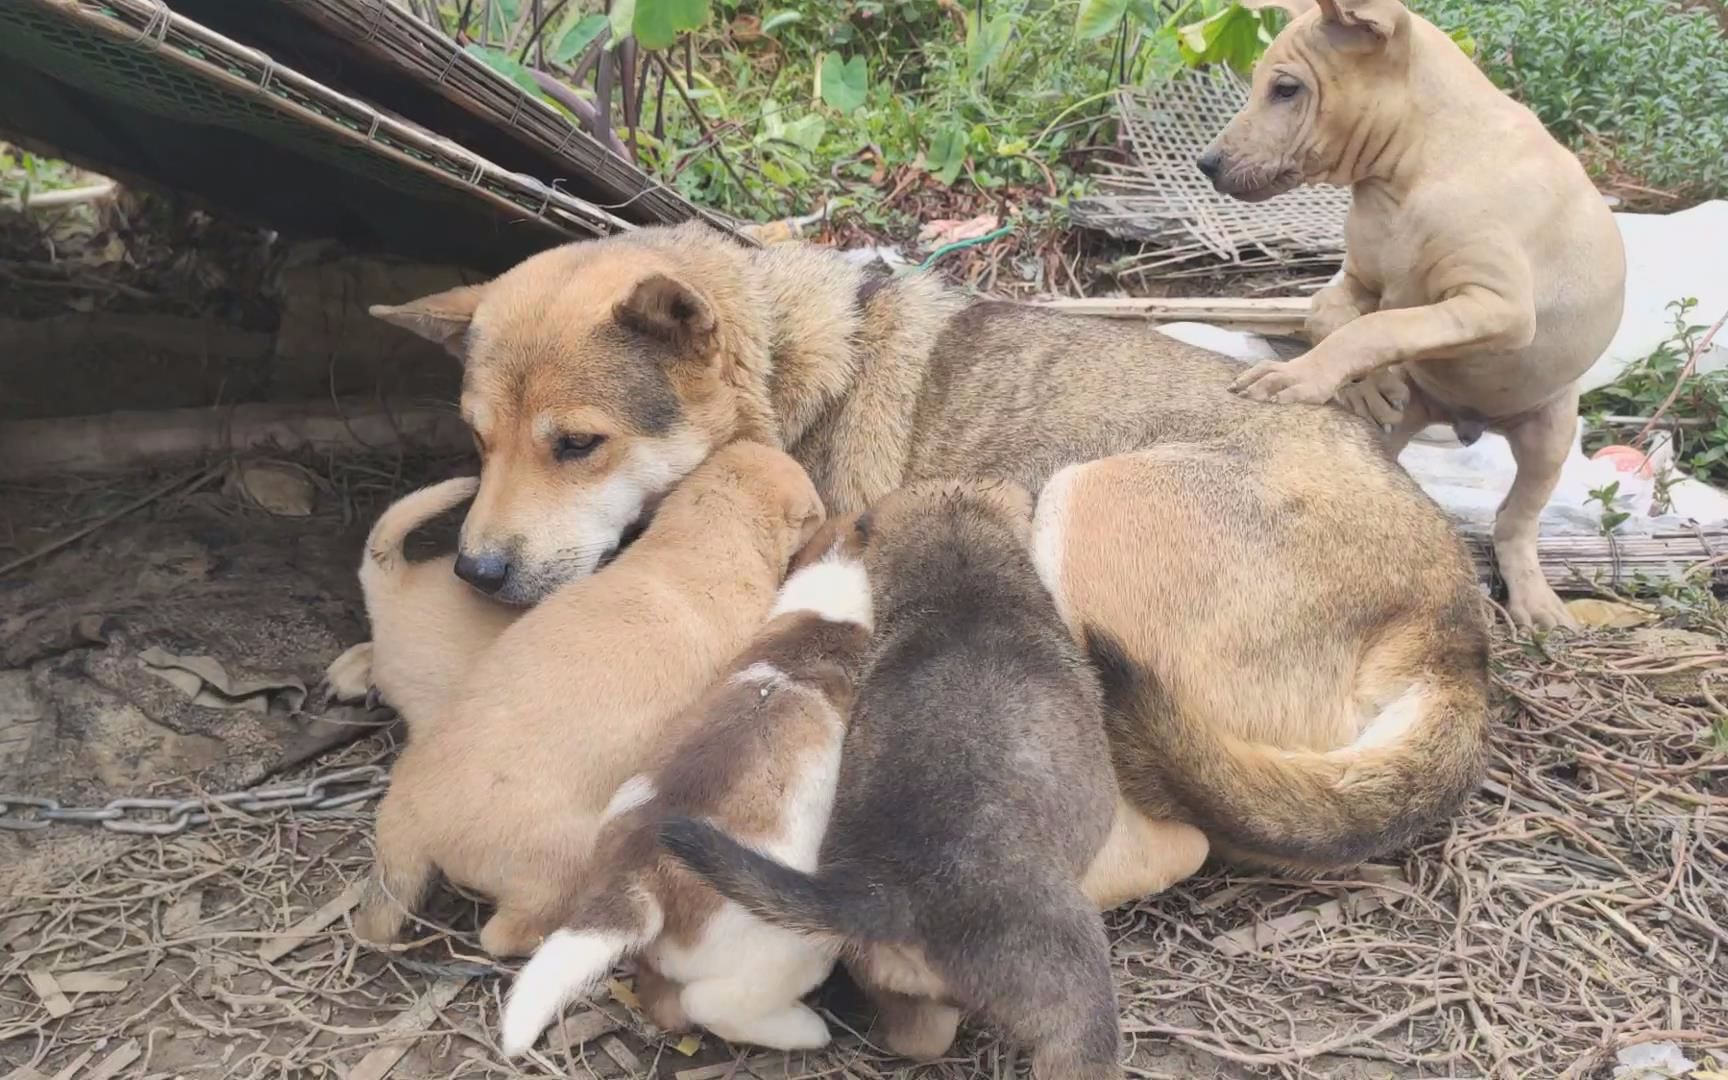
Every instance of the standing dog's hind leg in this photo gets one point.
(1540, 442)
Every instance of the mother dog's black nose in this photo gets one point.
(485, 572)
(1209, 163)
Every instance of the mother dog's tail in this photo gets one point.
(1414, 763)
(384, 543)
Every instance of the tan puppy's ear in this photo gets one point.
(1383, 19)
(671, 311)
(441, 318)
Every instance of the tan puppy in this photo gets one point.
(1480, 258)
(507, 789)
(427, 626)
(671, 342)
(760, 762)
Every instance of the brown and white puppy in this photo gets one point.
(596, 373)
(506, 790)
(975, 790)
(1483, 272)
(760, 762)
(427, 626)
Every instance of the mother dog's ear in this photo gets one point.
(441, 318)
(1382, 19)
(668, 310)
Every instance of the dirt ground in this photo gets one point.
(1577, 908)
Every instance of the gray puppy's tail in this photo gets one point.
(829, 906)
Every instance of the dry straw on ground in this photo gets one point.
(1576, 908)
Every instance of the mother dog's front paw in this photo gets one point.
(349, 676)
(1291, 383)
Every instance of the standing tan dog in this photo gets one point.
(1480, 259)
(598, 373)
(507, 789)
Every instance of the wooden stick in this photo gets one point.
(1266, 315)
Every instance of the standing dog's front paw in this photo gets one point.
(1292, 383)
(1380, 396)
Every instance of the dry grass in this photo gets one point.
(1577, 907)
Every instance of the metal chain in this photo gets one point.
(167, 817)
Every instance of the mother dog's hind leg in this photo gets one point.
(1142, 857)
(1540, 442)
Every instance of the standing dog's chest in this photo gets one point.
(1386, 253)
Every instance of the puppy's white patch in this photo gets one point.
(762, 674)
(631, 793)
(566, 966)
(1050, 535)
(1393, 722)
(835, 589)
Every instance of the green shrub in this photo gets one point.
(1640, 86)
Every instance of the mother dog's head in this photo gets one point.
(595, 376)
(1316, 96)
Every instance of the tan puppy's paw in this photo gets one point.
(509, 934)
(1380, 396)
(379, 922)
(1285, 383)
(349, 676)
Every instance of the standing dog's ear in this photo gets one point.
(441, 318)
(670, 311)
(1383, 19)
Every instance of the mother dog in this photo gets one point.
(1293, 628)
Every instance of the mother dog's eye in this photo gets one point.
(1285, 89)
(572, 447)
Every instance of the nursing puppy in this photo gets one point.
(427, 626)
(760, 762)
(506, 790)
(974, 792)
(1483, 273)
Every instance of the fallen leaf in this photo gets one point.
(1608, 614)
(277, 487)
(950, 230)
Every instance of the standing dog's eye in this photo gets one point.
(572, 447)
(1285, 89)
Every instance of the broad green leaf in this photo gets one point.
(845, 85)
(1234, 36)
(1147, 13)
(1099, 17)
(575, 36)
(623, 20)
(947, 153)
(505, 64)
(984, 47)
(805, 132)
(781, 19)
(659, 22)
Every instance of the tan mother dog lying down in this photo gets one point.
(1311, 546)
(427, 626)
(1479, 257)
(507, 789)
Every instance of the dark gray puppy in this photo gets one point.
(975, 788)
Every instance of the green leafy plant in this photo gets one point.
(843, 84)
(1639, 87)
(1612, 516)
(1698, 415)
